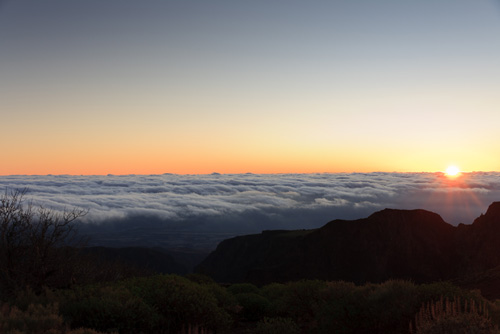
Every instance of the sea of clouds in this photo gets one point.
(248, 203)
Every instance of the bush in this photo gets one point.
(200, 278)
(391, 305)
(275, 293)
(254, 306)
(384, 308)
(180, 302)
(276, 326)
(303, 300)
(243, 288)
(456, 317)
(344, 309)
(36, 319)
(82, 331)
(108, 308)
(434, 291)
(225, 300)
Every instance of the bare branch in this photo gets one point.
(30, 241)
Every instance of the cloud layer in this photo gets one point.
(249, 203)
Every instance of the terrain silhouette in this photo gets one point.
(390, 244)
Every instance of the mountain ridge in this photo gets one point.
(389, 244)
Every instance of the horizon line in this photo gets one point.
(248, 173)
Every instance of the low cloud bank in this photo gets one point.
(249, 203)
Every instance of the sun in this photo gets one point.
(452, 171)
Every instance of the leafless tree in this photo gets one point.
(36, 244)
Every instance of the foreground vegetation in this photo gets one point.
(195, 304)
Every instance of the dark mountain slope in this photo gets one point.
(259, 257)
(412, 244)
(480, 242)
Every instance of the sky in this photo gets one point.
(201, 210)
(193, 87)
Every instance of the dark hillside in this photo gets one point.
(480, 241)
(406, 244)
(410, 244)
(390, 244)
(259, 257)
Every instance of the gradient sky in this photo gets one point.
(146, 87)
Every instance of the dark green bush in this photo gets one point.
(36, 319)
(384, 308)
(225, 299)
(109, 308)
(276, 326)
(180, 302)
(389, 305)
(200, 278)
(254, 306)
(343, 308)
(302, 300)
(243, 288)
(171, 304)
(275, 293)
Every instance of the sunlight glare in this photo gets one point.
(452, 170)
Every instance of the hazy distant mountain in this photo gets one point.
(406, 244)
(159, 260)
(139, 257)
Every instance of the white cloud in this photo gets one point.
(281, 200)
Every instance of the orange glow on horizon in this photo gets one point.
(102, 158)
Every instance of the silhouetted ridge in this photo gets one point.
(493, 210)
(407, 244)
(480, 242)
(492, 216)
(415, 216)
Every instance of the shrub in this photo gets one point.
(200, 278)
(390, 305)
(434, 291)
(384, 308)
(445, 316)
(344, 309)
(82, 331)
(276, 326)
(303, 299)
(180, 302)
(225, 300)
(108, 308)
(36, 319)
(243, 288)
(26, 297)
(275, 293)
(254, 306)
